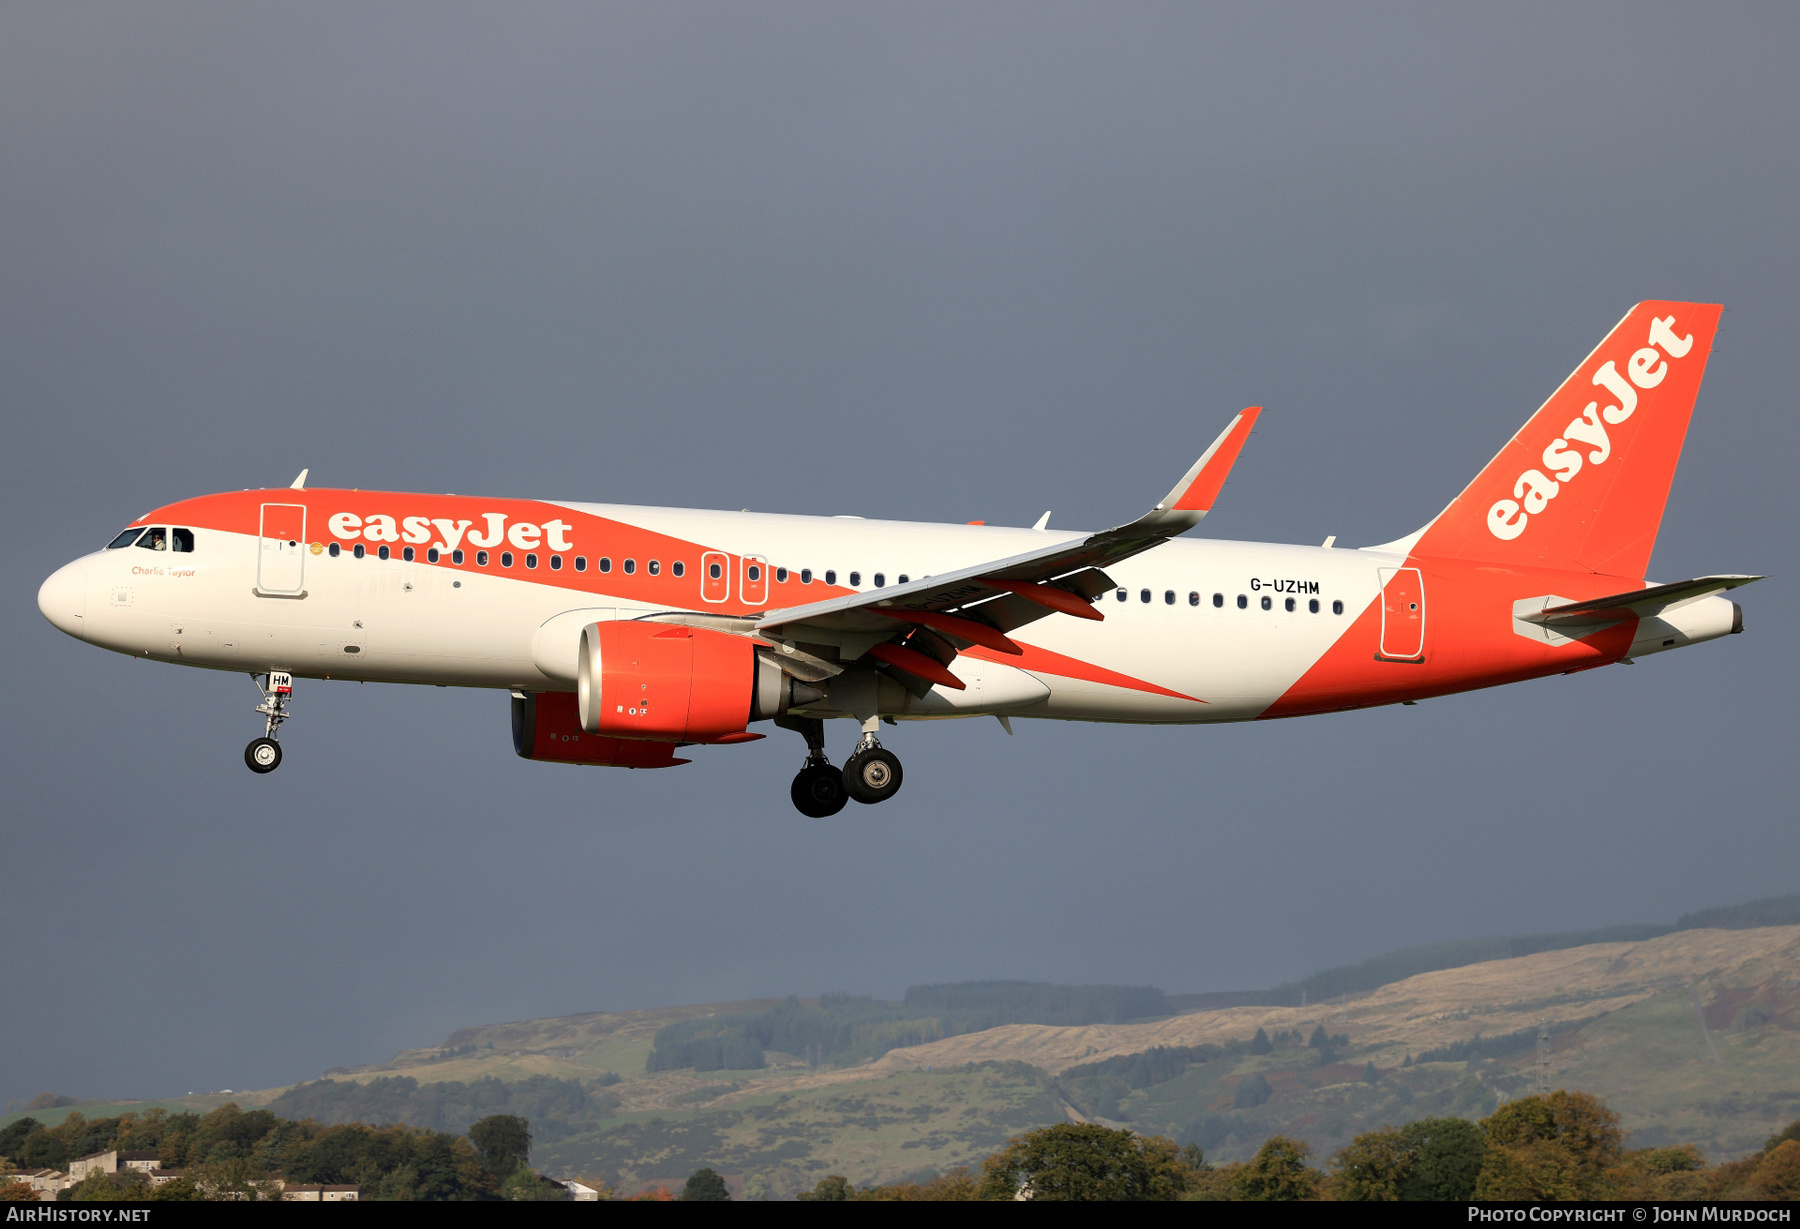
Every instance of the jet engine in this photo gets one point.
(673, 683)
(546, 726)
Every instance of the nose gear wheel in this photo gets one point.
(263, 755)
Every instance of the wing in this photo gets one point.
(940, 615)
(1641, 602)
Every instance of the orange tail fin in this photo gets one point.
(1583, 484)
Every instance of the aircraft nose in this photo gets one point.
(63, 598)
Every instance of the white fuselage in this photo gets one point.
(389, 620)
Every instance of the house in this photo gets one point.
(142, 1162)
(315, 1193)
(162, 1177)
(94, 1163)
(46, 1182)
(577, 1192)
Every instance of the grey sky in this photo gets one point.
(931, 262)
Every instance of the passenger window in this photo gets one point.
(556, 563)
(1337, 608)
(753, 572)
(124, 539)
(1121, 595)
(1313, 606)
(831, 576)
(630, 566)
(581, 563)
(1290, 605)
(481, 558)
(407, 554)
(781, 576)
(332, 550)
(431, 554)
(1143, 595)
(1267, 603)
(531, 561)
(653, 567)
(456, 556)
(806, 576)
(384, 552)
(155, 538)
(1218, 599)
(678, 568)
(1243, 602)
(880, 580)
(182, 540)
(855, 580)
(712, 570)
(605, 564)
(1193, 599)
(506, 559)
(903, 578)
(1168, 597)
(359, 550)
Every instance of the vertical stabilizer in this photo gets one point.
(1583, 483)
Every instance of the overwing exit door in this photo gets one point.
(281, 550)
(1402, 615)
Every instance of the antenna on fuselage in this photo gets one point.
(299, 484)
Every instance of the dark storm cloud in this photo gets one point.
(946, 262)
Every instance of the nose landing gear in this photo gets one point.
(264, 754)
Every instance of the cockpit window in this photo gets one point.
(124, 539)
(181, 540)
(155, 538)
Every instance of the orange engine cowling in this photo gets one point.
(663, 681)
(546, 726)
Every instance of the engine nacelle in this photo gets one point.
(546, 726)
(673, 683)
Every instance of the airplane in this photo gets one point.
(625, 634)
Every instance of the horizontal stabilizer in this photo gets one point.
(1640, 603)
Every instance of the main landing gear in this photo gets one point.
(264, 754)
(872, 773)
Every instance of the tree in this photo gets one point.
(1373, 1166)
(1446, 1159)
(1083, 1161)
(1279, 1171)
(705, 1186)
(957, 1185)
(1260, 1044)
(18, 1192)
(1779, 1174)
(1556, 1147)
(503, 1141)
(1251, 1091)
(833, 1188)
(1319, 1040)
(14, 1133)
(525, 1185)
(177, 1189)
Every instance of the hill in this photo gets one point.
(1691, 1032)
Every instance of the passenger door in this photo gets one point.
(281, 550)
(1402, 615)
